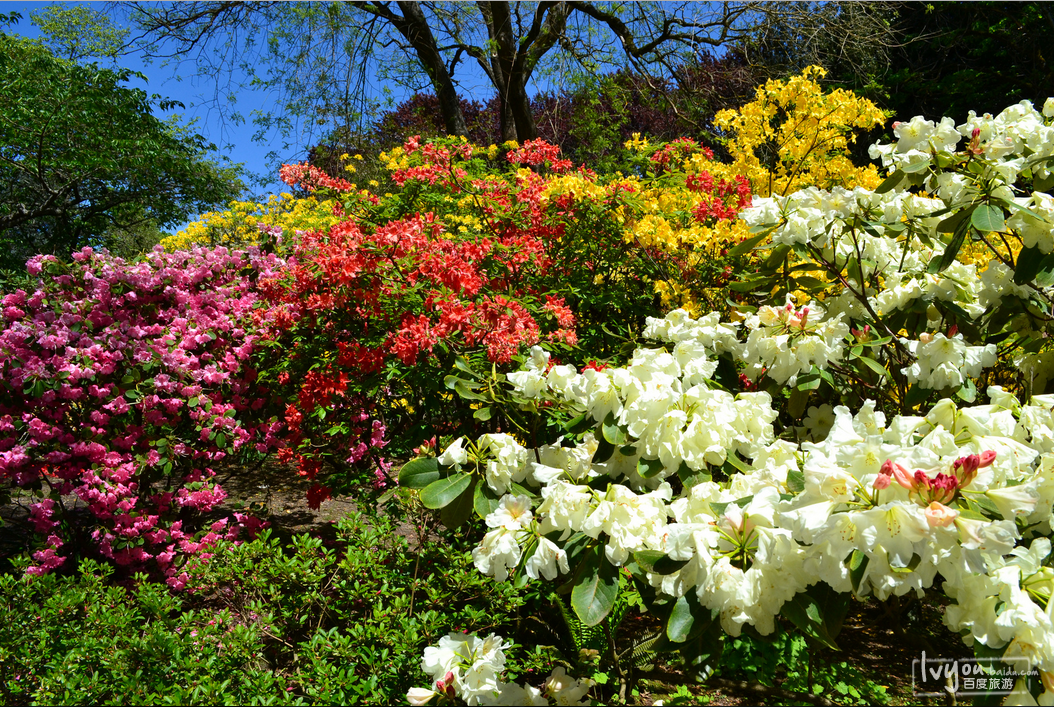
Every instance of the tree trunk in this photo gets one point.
(417, 32)
(502, 59)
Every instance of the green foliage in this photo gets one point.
(261, 623)
(789, 661)
(84, 162)
(78, 32)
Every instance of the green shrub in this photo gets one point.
(261, 623)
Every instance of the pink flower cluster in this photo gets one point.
(121, 385)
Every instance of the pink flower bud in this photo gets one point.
(940, 516)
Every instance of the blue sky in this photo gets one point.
(179, 83)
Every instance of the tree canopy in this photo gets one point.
(322, 57)
(82, 157)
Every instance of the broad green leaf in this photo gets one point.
(948, 257)
(594, 593)
(799, 398)
(485, 501)
(658, 562)
(891, 182)
(580, 424)
(455, 513)
(442, 492)
(612, 432)
(873, 365)
(857, 567)
(745, 246)
(462, 365)
(418, 473)
(915, 167)
(483, 414)
(648, 468)
(818, 612)
(988, 218)
(688, 618)
(809, 380)
(1029, 263)
(777, 256)
(949, 224)
(760, 283)
(604, 450)
(807, 282)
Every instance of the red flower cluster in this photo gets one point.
(676, 151)
(723, 199)
(538, 152)
(312, 178)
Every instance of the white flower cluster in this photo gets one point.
(869, 505)
(466, 667)
(945, 362)
(1005, 139)
(785, 342)
(906, 496)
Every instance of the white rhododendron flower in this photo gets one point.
(454, 455)
(946, 362)
(467, 668)
(809, 475)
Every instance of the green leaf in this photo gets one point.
(809, 380)
(612, 432)
(857, 568)
(455, 513)
(594, 593)
(749, 285)
(948, 257)
(951, 223)
(418, 473)
(818, 612)
(1029, 263)
(915, 168)
(604, 451)
(988, 218)
(891, 182)
(442, 492)
(648, 468)
(464, 390)
(485, 501)
(795, 481)
(483, 414)
(580, 424)
(873, 365)
(808, 282)
(745, 246)
(658, 562)
(777, 256)
(462, 365)
(688, 618)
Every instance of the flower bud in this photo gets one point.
(940, 516)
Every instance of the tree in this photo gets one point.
(83, 158)
(78, 32)
(321, 55)
(958, 57)
(916, 58)
(590, 122)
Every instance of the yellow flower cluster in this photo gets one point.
(576, 186)
(637, 144)
(394, 159)
(793, 135)
(238, 224)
